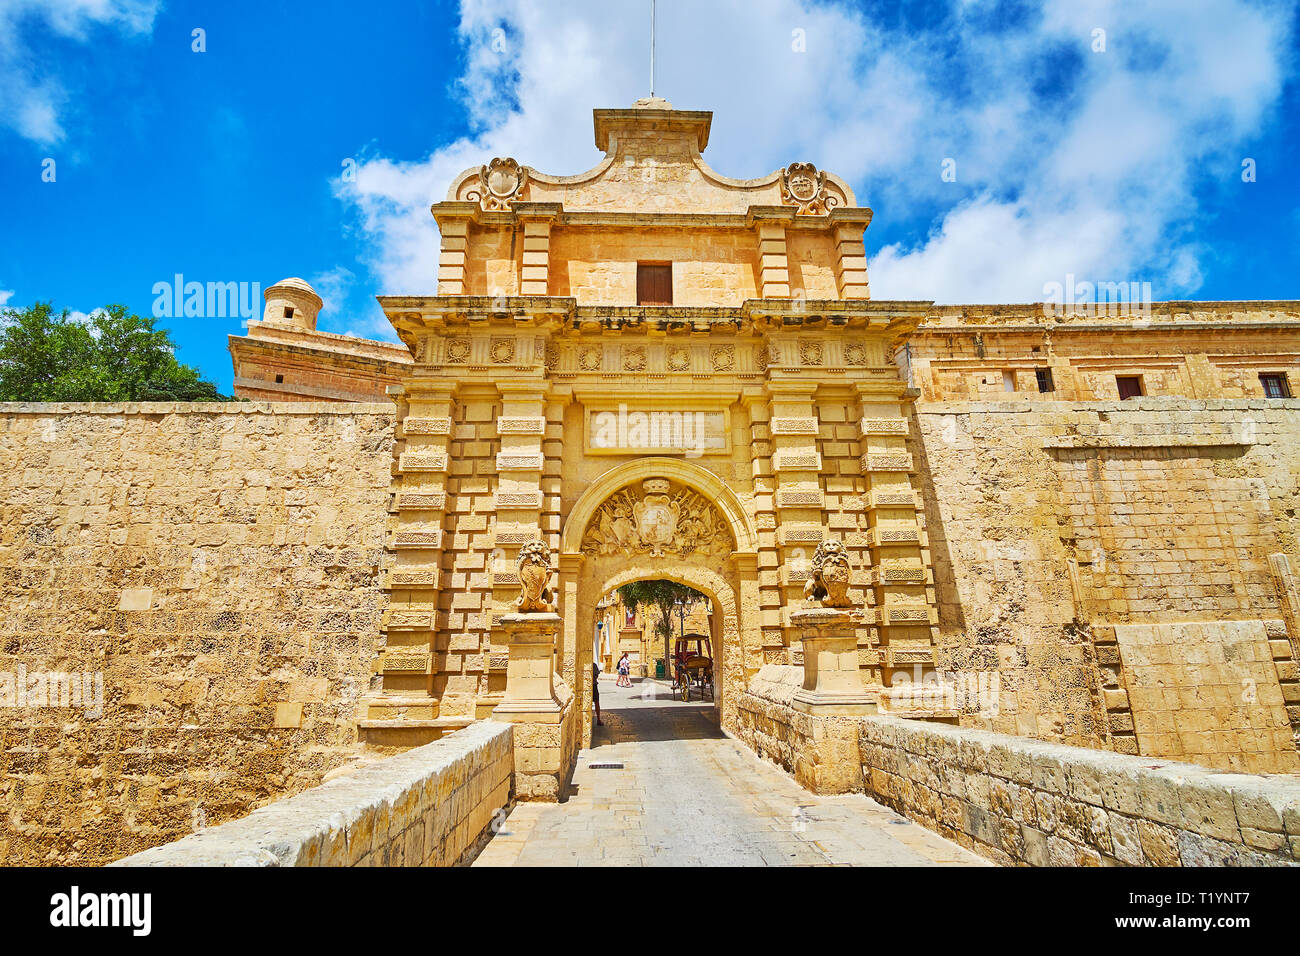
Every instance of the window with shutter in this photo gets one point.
(1130, 386)
(654, 283)
(1275, 385)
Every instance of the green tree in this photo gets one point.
(662, 600)
(113, 356)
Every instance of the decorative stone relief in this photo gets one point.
(723, 357)
(500, 183)
(458, 351)
(534, 573)
(634, 358)
(679, 359)
(502, 351)
(657, 520)
(828, 580)
(804, 187)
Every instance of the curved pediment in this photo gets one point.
(652, 164)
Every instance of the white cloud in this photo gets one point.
(1097, 178)
(31, 96)
(5, 296)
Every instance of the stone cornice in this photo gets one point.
(423, 313)
(449, 211)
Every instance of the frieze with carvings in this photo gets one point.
(660, 519)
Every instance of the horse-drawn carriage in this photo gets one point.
(693, 666)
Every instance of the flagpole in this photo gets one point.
(652, 48)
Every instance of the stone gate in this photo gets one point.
(660, 372)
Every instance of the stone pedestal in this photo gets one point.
(540, 705)
(832, 682)
(530, 670)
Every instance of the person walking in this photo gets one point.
(595, 691)
(624, 671)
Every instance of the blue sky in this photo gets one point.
(1122, 163)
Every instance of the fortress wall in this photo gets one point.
(216, 567)
(1110, 561)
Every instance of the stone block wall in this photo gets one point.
(1027, 802)
(546, 752)
(1053, 524)
(820, 752)
(216, 566)
(430, 806)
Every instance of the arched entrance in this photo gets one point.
(669, 519)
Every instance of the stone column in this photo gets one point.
(832, 680)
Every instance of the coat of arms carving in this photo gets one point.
(500, 183)
(803, 186)
(829, 576)
(534, 572)
(657, 520)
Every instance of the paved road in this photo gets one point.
(687, 795)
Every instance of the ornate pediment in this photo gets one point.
(658, 518)
(652, 165)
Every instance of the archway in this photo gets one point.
(669, 519)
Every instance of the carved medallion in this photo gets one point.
(804, 187)
(500, 183)
(656, 515)
(659, 520)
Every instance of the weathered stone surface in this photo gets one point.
(216, 565)
(1082, 807)
(426, 807)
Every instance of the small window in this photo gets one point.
(654, 283)
(279, 380)
(288, 312)
(1130, 386)
(1275, 384)
(1045, 383)
(1008, 381)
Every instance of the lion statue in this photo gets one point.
(534, 572)
(828, 578)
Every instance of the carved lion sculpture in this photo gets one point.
(534, 572)
(828, 578)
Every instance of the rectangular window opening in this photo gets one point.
(1130, 386)
(1275, 384)
(279, 380)
(288, 312)
(654, 283)
(1008, 381)
(1045, 383)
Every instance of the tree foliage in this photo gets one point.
(112, 356)
(660, 599)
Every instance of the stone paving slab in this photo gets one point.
(688, 795)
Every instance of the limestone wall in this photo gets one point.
(1025, 802)
(1062, 534)
(216, 566)
(430, 806)
(820, 752)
